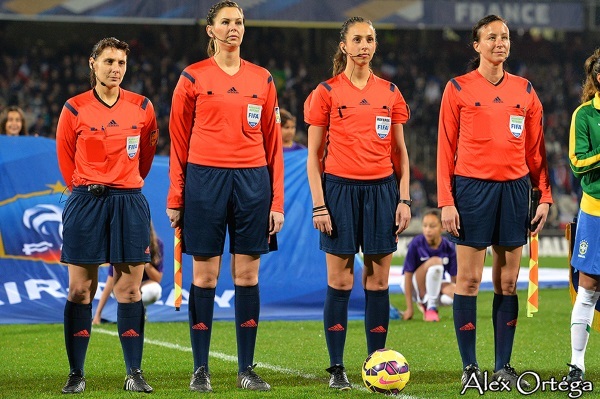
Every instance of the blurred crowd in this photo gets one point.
(42, 65)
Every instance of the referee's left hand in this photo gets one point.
(275, 222)
(541, 214)
(175, 216)
(402, 217)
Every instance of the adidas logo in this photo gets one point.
(232, 91)
(378, 329)
(199, 326)
(498, 100)
(467, 327)
(337, 327)
(250, 323)
(82, 334)
(512, 323)
(112, 123)
(130, 333)
(364, 102)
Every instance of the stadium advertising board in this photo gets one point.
(34, 284)
(432, 14)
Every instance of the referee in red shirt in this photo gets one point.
(106, 139)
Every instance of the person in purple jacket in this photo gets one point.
(429, 270)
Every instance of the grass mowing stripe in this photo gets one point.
(218, 355)
(229, 358)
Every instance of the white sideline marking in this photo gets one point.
(229, 358)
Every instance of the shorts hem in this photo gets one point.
(338, 252)
(470, 243)
(386, 251)
(83, 263)
(204, 254)
(266, 251)
(591, 271)
(489, 244)
(213, 254)
(512, 244)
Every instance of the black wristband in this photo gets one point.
(406, 201)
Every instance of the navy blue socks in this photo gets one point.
(505, 312)
(200, 311)
(335, 320)
(377, 318)
(130, 324)
(77, 327)
(465, 322)
(247, 310)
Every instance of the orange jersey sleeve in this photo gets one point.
(358, 122)
(98, 144)
(225, 121)
(490, 132)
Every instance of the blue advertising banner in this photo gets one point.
(34, 284)
(419, 14)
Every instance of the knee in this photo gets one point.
(373, 285)
(508, 287)
(246, 279)
(79, 294)
(127, 294)
(205, 282)
(435, 271)
(79, 297)
(587, 298)
(346, 282)
(469, 286)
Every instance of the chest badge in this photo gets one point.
(253, 114)
(133, 143)
(516, 125)
(383, 124)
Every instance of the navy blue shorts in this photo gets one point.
(491, 212)
(220, 199)
(363, 215)
(111, 228)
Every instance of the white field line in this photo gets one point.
(229, 358)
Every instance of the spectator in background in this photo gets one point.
(429, 269)
(288, 131)
(150, 288)
(490, 149)
(12, 122)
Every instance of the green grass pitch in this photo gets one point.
(292, 356)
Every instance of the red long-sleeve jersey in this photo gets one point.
(490, 132)
(358, 123)
(225, 121)
(98, 144)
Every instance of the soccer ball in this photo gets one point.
(385, 371)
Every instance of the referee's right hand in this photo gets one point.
(175, 216)
(450, 220)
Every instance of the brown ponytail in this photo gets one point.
(592, 68)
